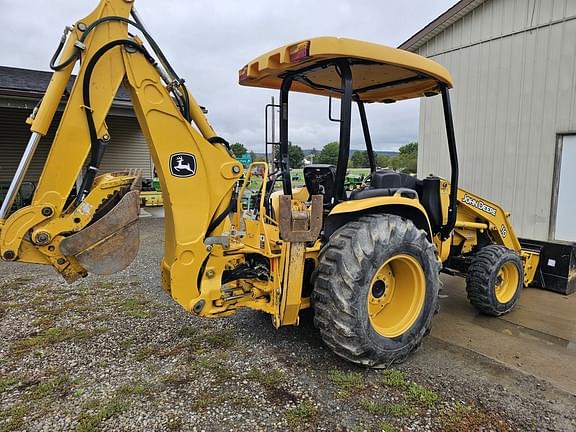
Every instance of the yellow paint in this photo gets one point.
(386, 64)
(506, 283)
(396, 296)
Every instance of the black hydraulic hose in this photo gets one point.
(183, 105)
(66, 62)
(219, 219)
(98, 145)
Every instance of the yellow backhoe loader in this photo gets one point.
(367, 261)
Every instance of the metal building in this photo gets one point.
(514, 101)
(21, 89)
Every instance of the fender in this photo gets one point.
(397, 205)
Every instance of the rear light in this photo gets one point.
(243, 74)
(299, 52)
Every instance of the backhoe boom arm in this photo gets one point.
(196, 171)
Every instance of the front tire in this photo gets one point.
(376, 290)
(495, 280)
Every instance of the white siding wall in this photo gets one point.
(127, 148)
(512, 96)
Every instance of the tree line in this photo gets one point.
(406, 159)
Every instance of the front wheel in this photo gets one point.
(495, 280)
(376, 290)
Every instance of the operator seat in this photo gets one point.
(320, 179)
(387, 182)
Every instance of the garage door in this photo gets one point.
(566, 201)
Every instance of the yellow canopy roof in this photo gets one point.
(379, 73)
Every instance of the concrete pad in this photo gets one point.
(538, 337)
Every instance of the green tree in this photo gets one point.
(407, 159)
(360, 159)
(329, 154)
(295, 154)
(383, 161)
(410, 149)
(238, 149)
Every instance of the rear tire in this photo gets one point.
(495, 280)
(376, 290)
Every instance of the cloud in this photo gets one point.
(208, 42)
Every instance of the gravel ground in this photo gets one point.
(115, 353)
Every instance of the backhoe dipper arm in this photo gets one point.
(95, 232)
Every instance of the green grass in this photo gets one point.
(347, 382)
(51, 336)
(221, 339)
(301, 414)
(387, 427)
(468, 417)
(187, 332)
(271, 378)
(136, 307)
(394, 378)
(205, 400)
(422, 395)
(6, 383)
(12, 419)
(94, 414)
(133, 389)
(146, 353)
(55, 386)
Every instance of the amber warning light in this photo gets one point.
(243, 74)
(299, 52)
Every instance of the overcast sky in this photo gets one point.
(208, 41)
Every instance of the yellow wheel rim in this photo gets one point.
(396, 295)
(506, 282)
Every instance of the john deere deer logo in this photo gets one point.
(182, 165)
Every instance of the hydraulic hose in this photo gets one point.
(98, 145)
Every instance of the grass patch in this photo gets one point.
(187, 332)
(463, 417)
(7, 383)
(55, 386)
(394, 378)
(220, 372)
(12, 418)
(176, 378)
(379, 408)
(422, 395)
(272, 378)
(44, 322)
(133, 389)
(387, 427)
(103, 285)
(204, 401)
(223, 339)
(16, 283)
(128, 342)
(147, 352)
(347, 382)
(95, 413)
(52, 336)
(301, 414)
(136, 307)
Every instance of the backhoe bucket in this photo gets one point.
(111, 243)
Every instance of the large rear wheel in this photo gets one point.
(376, 290)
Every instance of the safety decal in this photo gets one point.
(182, 165)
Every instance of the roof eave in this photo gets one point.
(460, 9)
